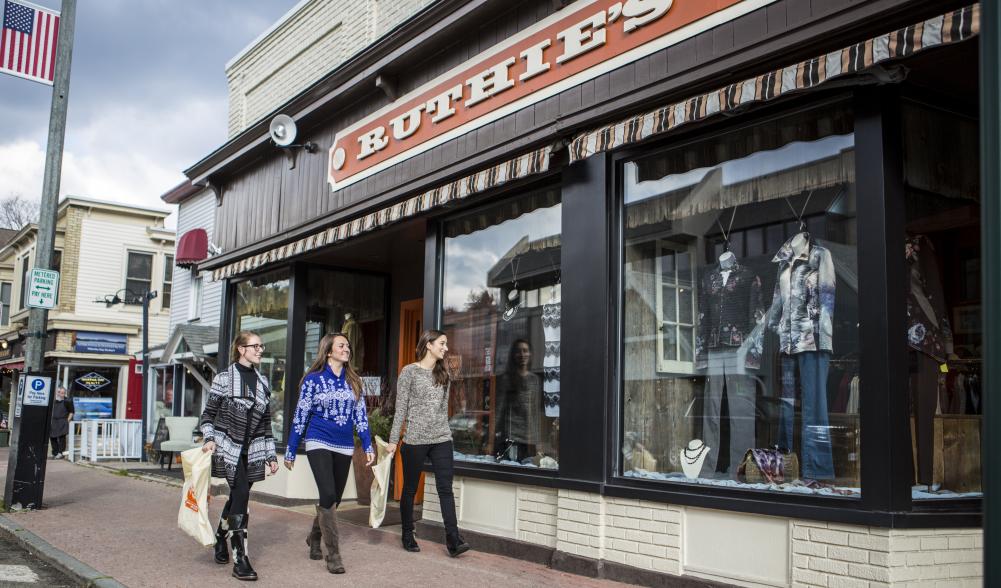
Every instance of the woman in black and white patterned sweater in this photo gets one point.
(422, 403)
(236, 425)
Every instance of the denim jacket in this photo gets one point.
(802, 307)
(727, 311)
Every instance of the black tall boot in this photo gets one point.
(221, 549)
(242, 569)
(328, 528)
(313, 540)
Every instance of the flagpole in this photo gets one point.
(34, 348)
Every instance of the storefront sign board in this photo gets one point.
(87, 342)
(92, 381)
(577, 44)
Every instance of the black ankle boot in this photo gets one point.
(409, 543)
(221, 549)
(455, 544)
(242, 570)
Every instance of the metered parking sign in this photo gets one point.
(36, 390)
(43, 289)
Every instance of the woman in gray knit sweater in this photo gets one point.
(422, 403)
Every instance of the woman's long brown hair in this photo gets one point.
(440, 372)
(239, 341)
(326, 345)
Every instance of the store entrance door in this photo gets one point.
(411, 322)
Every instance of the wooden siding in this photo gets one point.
(197, 212)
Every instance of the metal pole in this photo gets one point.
(34, 348)
(147, 296)
(990, 223)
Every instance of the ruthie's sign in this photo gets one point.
(578, 43)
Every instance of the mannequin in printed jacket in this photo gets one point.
(729, 308)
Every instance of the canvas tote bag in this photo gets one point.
(193, 515)
(380, 484)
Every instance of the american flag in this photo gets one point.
(28, 41)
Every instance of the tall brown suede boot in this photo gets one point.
(313, 540)
(328, 529)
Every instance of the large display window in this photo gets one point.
(261, 304)
(501, 312)
(740, 309)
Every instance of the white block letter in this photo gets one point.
(491, 82)
(534, 64)
(372, 141)
(407, 123)
(441, 105)
(643, 12)
(582, 37)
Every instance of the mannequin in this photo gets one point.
(802, 314)
(729, 308)
(356, 339)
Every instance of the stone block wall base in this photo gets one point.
(562, 561)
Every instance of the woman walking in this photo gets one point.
(422, 403)
(236, 425)
(329, 411)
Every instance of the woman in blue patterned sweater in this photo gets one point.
(329, 411)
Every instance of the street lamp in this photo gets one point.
(144, 299)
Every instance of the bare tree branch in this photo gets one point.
(17, 211)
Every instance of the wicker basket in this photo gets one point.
(752, 473)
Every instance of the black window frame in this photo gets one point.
(884, 418)
(134, 297)
(5, 304)
(166, 285)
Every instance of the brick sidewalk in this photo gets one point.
(127, 528)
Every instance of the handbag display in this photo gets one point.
(193, 515)
(768, 466)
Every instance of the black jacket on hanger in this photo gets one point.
(727, 312)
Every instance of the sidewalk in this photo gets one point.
(126, 528)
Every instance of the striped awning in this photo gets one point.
(946, 29)
(535, 162)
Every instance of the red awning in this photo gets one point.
(192, 248)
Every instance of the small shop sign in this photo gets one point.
(92, 381)
(579, 43)
(43, 288)
(87, 342)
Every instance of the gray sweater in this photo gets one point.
(423, 406)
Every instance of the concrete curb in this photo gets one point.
(67, 564)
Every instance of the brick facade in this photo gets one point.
(652, 536)
(309, 44)
(69, 272)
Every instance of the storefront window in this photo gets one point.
(740, 310)
(164, 403)
(353, 304)
(944, 337)
(193, 393)
(261, 305)
(501, 312)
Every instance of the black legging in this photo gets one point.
(330, 470)
(441, 464)
(239, 491)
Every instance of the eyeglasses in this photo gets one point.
(256, 346)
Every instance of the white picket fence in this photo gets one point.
(95, 440)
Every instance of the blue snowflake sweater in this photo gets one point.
(328, 415)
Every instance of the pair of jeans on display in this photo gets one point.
(815, 457)
(725, 370)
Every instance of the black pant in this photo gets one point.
(58, 444)
(924, 388)
(330, 470)
(239, 491)
(441, 464)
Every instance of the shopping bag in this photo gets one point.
(193, 515)
(380, 484)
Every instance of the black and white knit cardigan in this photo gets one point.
(225, 420)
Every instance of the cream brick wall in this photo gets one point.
(315, 39)
(652, 536)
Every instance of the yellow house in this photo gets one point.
(102, 250)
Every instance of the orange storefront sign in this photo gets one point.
(578, 43)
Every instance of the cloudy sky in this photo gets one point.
(147, 96)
